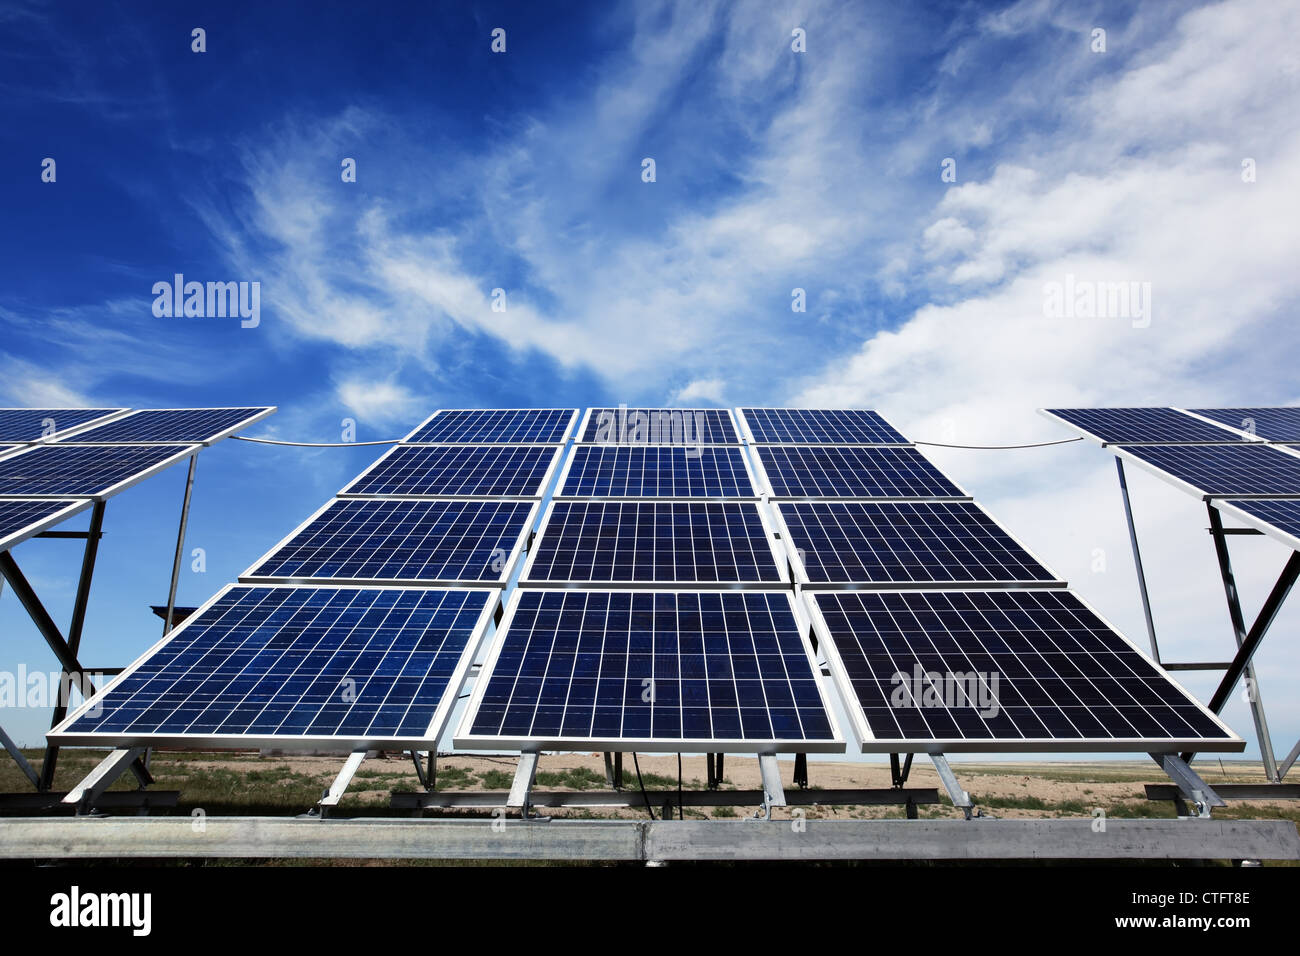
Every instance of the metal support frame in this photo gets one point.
(632, 799)
(180, 544)
(85, 793)
(960, 798)
(525, 774)
(339, 787)
(614, 770)
(428, 777)
(801, 771)
(1190, 784)
(715, 768)
(773, 792)
(1137, 559)
(28, 771)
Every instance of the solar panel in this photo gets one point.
(90, 471)
(20, 520)
(1138, 426)
(800, 471)
(390, 540)
(458, 471)
(484, 426)
(171, 425)
(1271, 424)
(1241, 470)
(659, 542)
(33, 424)
(1277, 517)
(820, 426)
(659, 426)
(656, 471)
(285, 666)
(1000, 670)
(892, 543)
(649, 670)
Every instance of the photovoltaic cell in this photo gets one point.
(1272, 424)
(1002, 670)
(653, 669)
(621, 471)
(157, 425)
(660, 426)
(653, 542)
(310, 663)
(1143, 425)
(799, 471)
(1279, 517)
(1226, 470)
(819, 426)
(20, 520)
(484, 426)
(455, 471)
(899, 543)
(81, 470)
(363, 539)
(32, 424)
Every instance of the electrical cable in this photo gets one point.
(1038, 444)
(317, 444)
(640, 783)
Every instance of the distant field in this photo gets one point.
(249, 784)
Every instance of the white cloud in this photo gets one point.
(379, 402)
(701, 389)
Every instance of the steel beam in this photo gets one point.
(84, 794)
(180, 544)
(1190, 783)
(17, 754)
(1231, 791)
(960, 798)
(263, 837)
(773, 792)
(340, 785)
(525, 773)
(1137, 560)
(590, 799)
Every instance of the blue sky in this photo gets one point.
(775, 170)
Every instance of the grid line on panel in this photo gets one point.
(458, 470)
(1277, 424)
(163, 425)
(293, 662)
(385, 539)
(654, 542)
(484, 426)
(79, 470)
(33, 424)
(660, 426)
(829, 471)
(817, 426)
(1226, 470)
(576, 665)
(670, 471)
(1045, 668)
(905, 542)
(1124, 426)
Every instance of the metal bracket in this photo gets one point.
(84, 794)
(340, 785)
(898, 774)
(1190, 783)
(773, 792)
(960, 798)
(428, 777)
(525, 774)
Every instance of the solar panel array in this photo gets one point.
(654, 611)
(35, 424)
(1241, 459)
(83, 471)
(170, 425)
(20, 519)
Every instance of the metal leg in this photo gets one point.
(609, 770)
(1189, 783)
(773, 792)
(84, 794)
(1247, 642)
(340, 785)
(960, 798)
(180, 545)
(525, 773)
(1287, 763)
(19, 759)
(801, 771)
(1137, 560)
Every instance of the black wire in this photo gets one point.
(1038, 444)
(679, 788)
(636, 763)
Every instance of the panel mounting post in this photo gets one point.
(522, 786)
(1137, 560)
(773, 791)
(340, 785)
(960, 798)
(84, 794)
(1190, 783)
